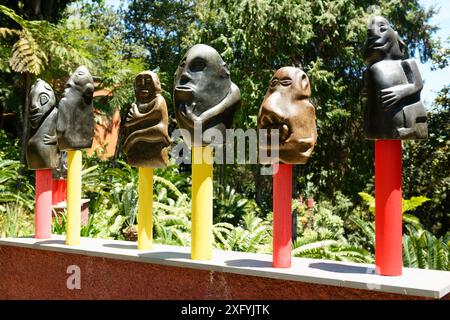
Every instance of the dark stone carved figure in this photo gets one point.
(391, 87)
(147, 124)
(286, 107)
(42, 151)
(75, 125)
(204, 93)
(60, 172)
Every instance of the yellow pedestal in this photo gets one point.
(73, 225)
(202, 203)
(145, 208)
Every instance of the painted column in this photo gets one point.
(388, 207)
(73, 227)
(282, 215)
(43, 204)
(145, 211)
(202, 203)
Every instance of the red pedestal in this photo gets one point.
(43, 204)
(59, 189)
(282, 215)
(55, 186)
(388, 207)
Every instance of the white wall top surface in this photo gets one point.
(416, 282)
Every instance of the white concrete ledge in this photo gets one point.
(415, 282)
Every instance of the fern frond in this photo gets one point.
(7, 32)
(27, 56)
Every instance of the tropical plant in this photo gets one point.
(15, 220)
(252, 235)
(316, 247)
(230, 206)
(422, 249)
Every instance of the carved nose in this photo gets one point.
(184, 79)
(373, 33)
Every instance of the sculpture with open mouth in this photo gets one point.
(204, 94)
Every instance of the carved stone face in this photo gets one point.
(286, 107)
(41, 149)
(382, 41)
(146, 127)
(75, 125)
(203, 91)
(42, 100)
(146, 86)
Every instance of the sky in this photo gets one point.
(433, 80)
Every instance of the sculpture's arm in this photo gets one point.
(134, 114)
(230, 100)
(392, 95)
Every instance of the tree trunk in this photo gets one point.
(25, 116)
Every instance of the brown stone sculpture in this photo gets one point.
(42, 151)
(75, 124)
(392, 87)
(286, 107)
(204, 94)
(147, 136)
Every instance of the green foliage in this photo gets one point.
(15, 220)
(252, 235)
(421, 249)
(426, 169)
(230, 206)
(314, 247)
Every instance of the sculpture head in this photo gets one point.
(146, 87)
(382, 42)
(80, 85)
(75, 124)
(201, 78)
(203, 91)
(286, 107)
(42, 101)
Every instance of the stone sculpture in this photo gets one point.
(286, 107)
(204, 94)
(147, 136)
(75, 124)
(42, 151)
(392, 86)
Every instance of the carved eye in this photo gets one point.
(383, 28)
(286, 82)
(43, 99)
(197, 65)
